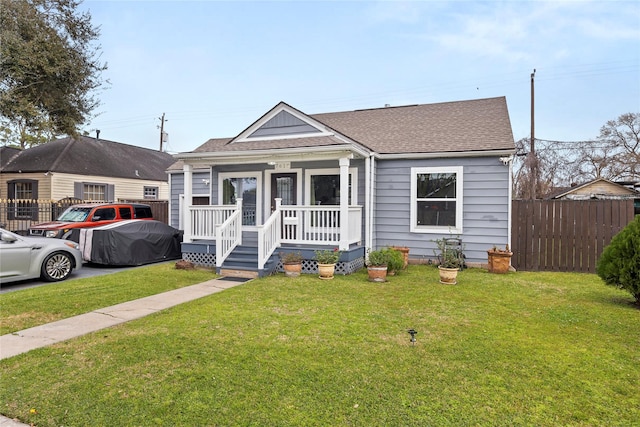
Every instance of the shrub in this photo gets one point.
(619, 264)
(395, 260)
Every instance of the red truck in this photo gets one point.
(87, 216)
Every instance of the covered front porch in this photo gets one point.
(217, 237)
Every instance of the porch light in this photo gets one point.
(413, 333)
(271, 163)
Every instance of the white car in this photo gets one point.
(23, 258)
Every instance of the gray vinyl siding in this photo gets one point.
(485, 206)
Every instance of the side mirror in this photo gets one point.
(7, 238)
(95, 218)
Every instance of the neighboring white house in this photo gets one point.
(355, 180)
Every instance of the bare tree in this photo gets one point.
(614, 155)
(621, 137)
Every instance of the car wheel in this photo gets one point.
(56, 267)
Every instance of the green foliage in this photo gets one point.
(378, 258)
(395, 260)
(50, 68)
(448, 257)
(619, 264)
(290, 257)
(328, 256)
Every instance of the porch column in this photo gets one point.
(344, 203)
(188, 201)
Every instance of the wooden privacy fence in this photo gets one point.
(565, 235)
(19, 215)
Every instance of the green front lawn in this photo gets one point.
(516, 349)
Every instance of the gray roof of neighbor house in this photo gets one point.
(91, 156)
(449, 127)
(7, 154)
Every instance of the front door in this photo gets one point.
(283, 186)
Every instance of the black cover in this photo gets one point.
(131, 242)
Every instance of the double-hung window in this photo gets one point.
(436, 200)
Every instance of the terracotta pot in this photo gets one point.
(326, 271)
(405, 253)
(448, 276)
(292, 270)
(377, 273)
(499, 262)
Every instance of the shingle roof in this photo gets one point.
(94, 157)
(7, 154)
(475, 125)
(460, 126)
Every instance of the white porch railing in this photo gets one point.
(205, 219)
(319, 225)
(269, 236)
(229, 235)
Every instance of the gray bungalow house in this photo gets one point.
(354, 180)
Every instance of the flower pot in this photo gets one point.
(377, 273)
(292, 270)
(326, 271)
(448, 276)
(499, 262)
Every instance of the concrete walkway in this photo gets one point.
(62, 330)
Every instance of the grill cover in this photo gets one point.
(130, 242)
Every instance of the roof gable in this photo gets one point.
(282, 122)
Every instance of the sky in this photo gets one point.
(215, 67)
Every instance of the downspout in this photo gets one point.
(371, 202)
(509, 220)
(344, 203)
(367, 204)
(188, 201)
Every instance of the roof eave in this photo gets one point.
(441, 154)
(262, 156)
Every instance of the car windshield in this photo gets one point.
(75, 214)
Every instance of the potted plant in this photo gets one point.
(377, 265)
(450, 261)
(291, 263)
(499, 259)
(327, 260)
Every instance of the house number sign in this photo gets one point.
(283, 165)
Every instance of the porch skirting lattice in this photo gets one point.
(200, 259)
(308, 266)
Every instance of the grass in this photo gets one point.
(55, 301)
(515, 349)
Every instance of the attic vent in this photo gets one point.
(387, 105)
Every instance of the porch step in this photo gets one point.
(243, 262)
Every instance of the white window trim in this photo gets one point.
(258, 176)
(332, 171)
(267, 187)
(414, 228)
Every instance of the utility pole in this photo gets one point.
(533, 162)
(162, 120)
